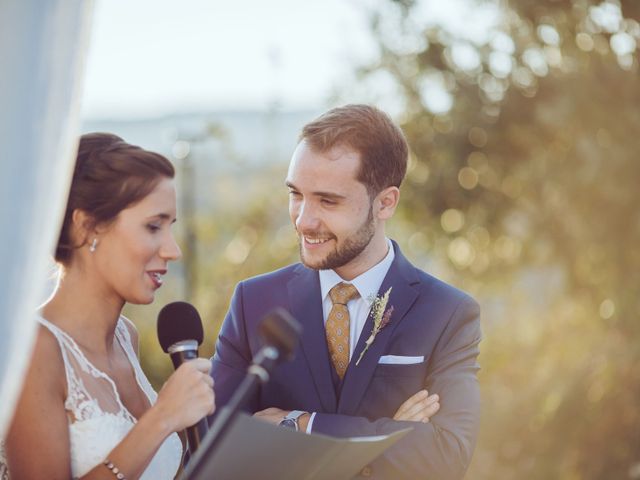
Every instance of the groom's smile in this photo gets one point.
(315, 241)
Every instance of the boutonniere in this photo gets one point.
(381, 316)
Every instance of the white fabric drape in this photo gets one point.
(43, 47)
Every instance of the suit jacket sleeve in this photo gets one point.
(442, 448)
(233, 354)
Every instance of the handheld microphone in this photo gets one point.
(180, 333)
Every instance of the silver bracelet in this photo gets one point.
(115, 470)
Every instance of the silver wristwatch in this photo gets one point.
(291, 420)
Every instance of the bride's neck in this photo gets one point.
(81, 308)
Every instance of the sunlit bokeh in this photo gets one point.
(522, 188)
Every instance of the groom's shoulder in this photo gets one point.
(279, 276)
(433, 288)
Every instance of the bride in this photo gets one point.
(86, 409)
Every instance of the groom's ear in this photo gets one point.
(386, 202)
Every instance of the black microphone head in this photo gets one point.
(178, 321)
(280, 330)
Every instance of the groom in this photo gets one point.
(348, 377)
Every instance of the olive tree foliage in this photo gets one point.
(524, 188)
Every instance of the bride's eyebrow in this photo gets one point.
(163, 216)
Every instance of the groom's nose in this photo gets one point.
(306, 218)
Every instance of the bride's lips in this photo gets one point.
(156, 277)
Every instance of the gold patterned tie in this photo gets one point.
(337, 326)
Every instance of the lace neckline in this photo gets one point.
(122, 336)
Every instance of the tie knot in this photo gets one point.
(342, 293)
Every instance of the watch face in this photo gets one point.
(289, 423)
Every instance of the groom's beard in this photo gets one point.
(345, 250)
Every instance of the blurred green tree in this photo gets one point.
(523, 188)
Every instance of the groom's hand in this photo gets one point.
(418, 408)
(271, 415)
(275, 416)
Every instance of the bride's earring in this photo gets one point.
(94, 244)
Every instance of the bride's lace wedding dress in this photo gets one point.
(98, 420)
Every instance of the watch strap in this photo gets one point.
(293, 416)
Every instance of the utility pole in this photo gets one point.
(182, 154)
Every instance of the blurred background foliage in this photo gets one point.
(523, 190)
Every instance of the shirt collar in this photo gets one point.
(367, 283)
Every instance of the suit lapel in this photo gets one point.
(306, 307)
(401, 276)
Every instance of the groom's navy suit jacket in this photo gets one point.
(430, 319)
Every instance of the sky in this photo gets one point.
(150, 58)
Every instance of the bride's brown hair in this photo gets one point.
(109, 176)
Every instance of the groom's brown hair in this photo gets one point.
(381, 144)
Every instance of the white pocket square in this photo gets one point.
(399, 360)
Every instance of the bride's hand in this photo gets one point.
(187, 396)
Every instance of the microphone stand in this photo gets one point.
(258, 373)
(280, 332)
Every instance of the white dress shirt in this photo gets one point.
(367, 284)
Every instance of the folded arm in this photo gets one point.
(441, 448)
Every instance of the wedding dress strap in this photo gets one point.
(124, 337)
(81, 401)
(69, 345)
(65, 342)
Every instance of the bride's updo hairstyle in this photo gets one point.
(110, 175)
